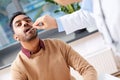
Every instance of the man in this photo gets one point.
(44, 59)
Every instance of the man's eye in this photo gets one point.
(18, 24)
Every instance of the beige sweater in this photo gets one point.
(53, 63)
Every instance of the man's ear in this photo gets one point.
(16, 37)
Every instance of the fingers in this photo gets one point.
(39, 24)
(45, 22)
(39, 27)
(36, 23)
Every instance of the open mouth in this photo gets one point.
(28, 30)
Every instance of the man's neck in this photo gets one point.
(32, 45)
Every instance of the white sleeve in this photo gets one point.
(77, 20)
(112, 17)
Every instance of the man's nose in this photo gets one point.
(24, 24)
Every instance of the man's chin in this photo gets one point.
(31, 37)
(34, 36)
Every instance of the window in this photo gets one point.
(5, 32)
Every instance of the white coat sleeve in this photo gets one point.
(77, 20)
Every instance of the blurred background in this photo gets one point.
(88, 41)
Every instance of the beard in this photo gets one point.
(26, 37)
(31, 37)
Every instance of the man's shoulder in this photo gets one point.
(16, 60)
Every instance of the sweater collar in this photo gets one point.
(28, 53)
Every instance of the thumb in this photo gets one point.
(39, 27)
(38, 22)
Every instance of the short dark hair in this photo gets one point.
(13, 16)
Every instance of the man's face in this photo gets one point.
(23, 30)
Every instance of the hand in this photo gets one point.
(45, 22)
